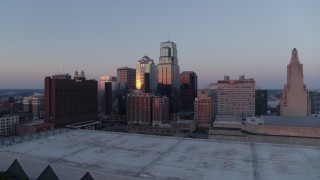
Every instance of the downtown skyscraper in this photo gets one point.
(168, 74)
(146, 75)
(295, 99)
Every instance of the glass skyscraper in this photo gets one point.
(168, 74)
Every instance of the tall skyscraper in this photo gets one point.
(188, 90)
(315, 101)
(69, 100)
(128, 76)
(236, 97)
(168, 74)
(146, 75)
(261, 102)
(295, 99)
(102, 92)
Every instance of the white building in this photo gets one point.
(6, 122)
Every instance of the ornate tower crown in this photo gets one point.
(294, 56)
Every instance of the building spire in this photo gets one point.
(294, 56)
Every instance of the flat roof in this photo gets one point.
(292, 121)
(134, 156)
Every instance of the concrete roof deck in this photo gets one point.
(135, 156)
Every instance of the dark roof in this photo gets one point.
(292, 121)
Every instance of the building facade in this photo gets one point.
(160, 110)
(139, 108)
(34, 104)
(128, 76)
(6, 124)
(102, 93)
(204, 108)
(315, 101)
(69, 100)
(146, 75)
(236, 97)
(261, 102)
(295, 99)
(188, 90)
(168, 74)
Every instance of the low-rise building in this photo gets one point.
(6, 123)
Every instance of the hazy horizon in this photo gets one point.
(214, 38)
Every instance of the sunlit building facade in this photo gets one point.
(146, 75)
(168, 74)
(295, 100)
(236, 97)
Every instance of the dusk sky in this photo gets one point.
(214, 38)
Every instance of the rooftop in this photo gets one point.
(135, 156)
(291, 121)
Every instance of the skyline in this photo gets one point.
(255, 39)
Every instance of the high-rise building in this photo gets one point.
(315, 101)
(160, 110)
(168, 74)
(204, 108)
(102, 92)
(69, 100)
(34, 104)
(188, 90)
(236, 97)
(139, 108)
(146, 75)
(261, 102)
(295, 99)
(128, 76)
(108, 97)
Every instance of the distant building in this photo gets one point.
(315, 102)
(261, 102)
(204, 108)
(236, 97)
(70, 101)
(139, 108)
(128, 76)
(295, 99)
(168, 74)
(6, 123)
(160, 110)
(112, 94)
(34, 104)
(188, 90)
(146, 75)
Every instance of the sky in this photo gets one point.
(214, 38)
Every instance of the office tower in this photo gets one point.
(101, 92)
(188, 90)
(128, 76)
(146, 75)
(108, 98)
(160, 110)
(204, 108)
(69, 100)
(139, 108)
(315, 101)
(295, 99)
(168, 74)
(236, 97)
(261, 102)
